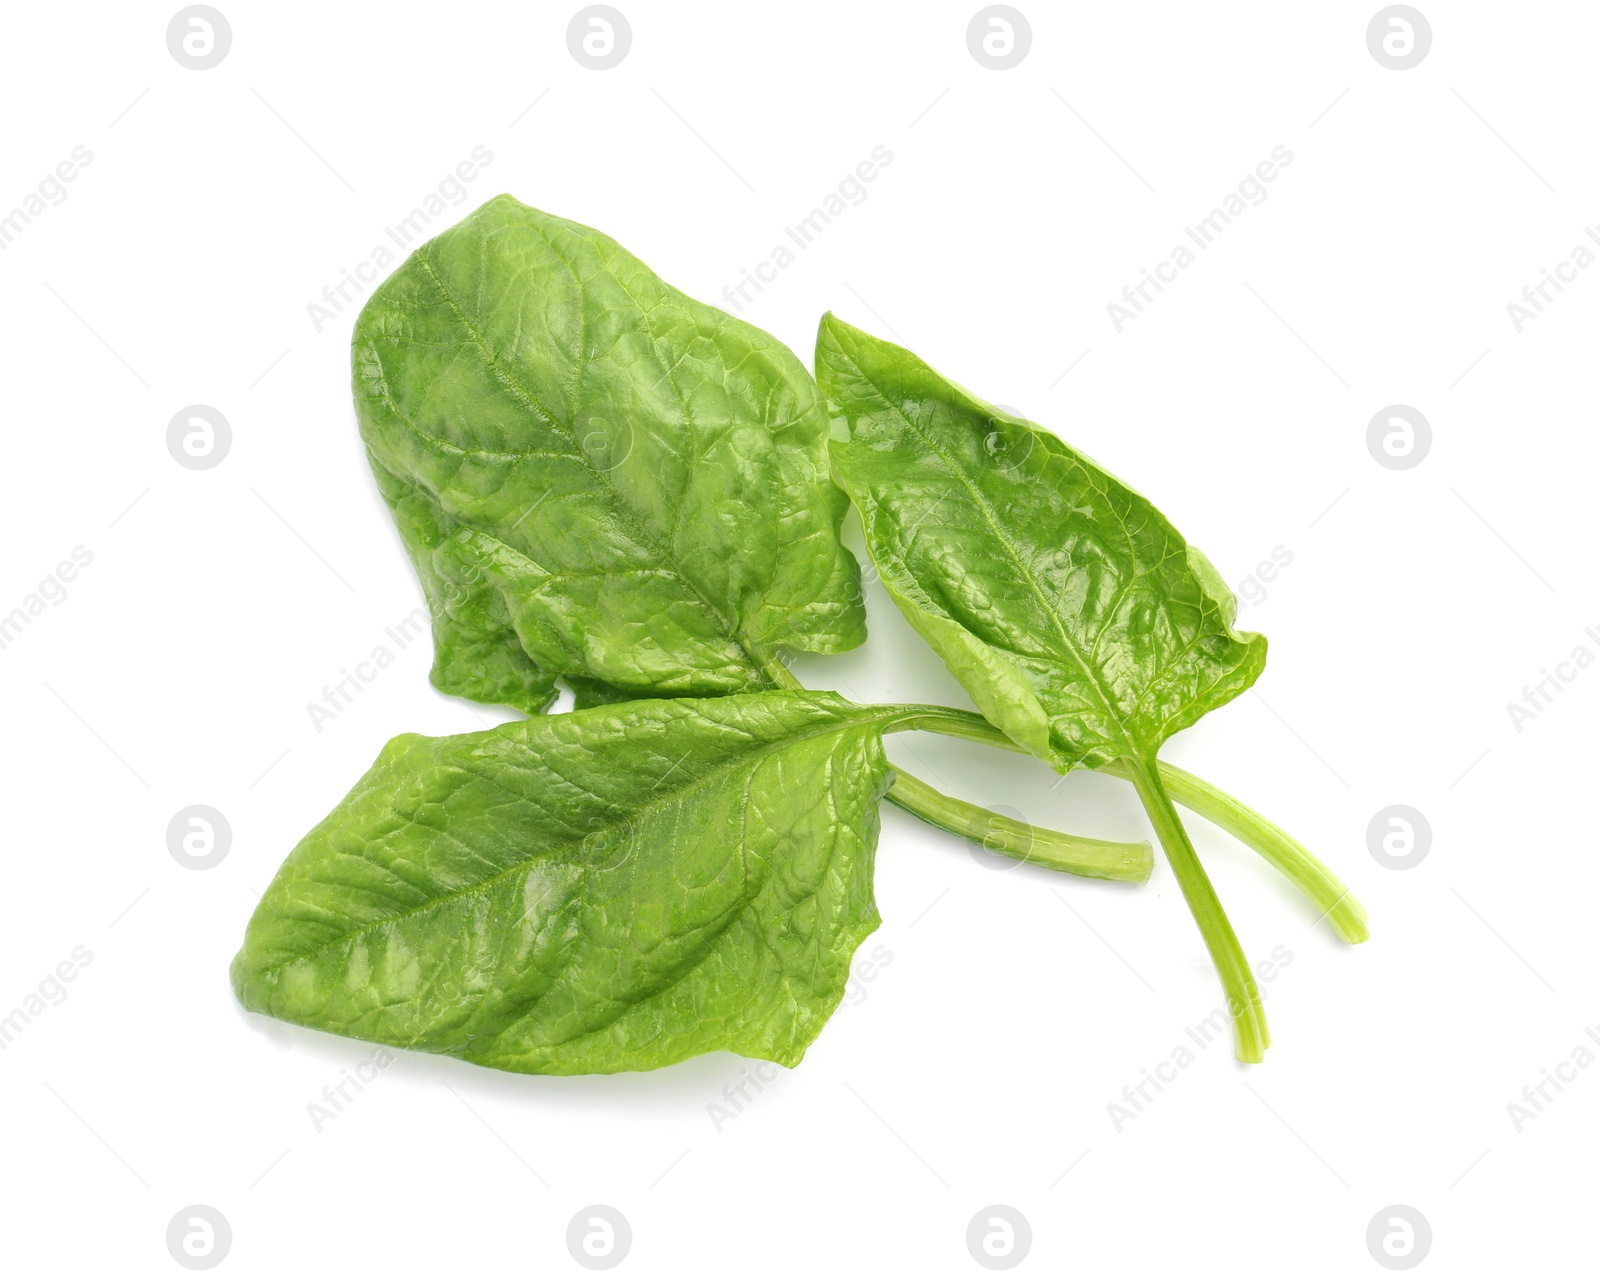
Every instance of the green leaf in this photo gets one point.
(617, 888)
(617, 482)
(1052, 590)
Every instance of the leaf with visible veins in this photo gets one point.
(1076, 616)
(617, 888)
(596, 475)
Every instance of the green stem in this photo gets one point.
(1274, 845)
(778, 674)
(963, 724)
(1087, 857)
(1251, 1038)
(1346, 914)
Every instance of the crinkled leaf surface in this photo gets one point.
(618, 888)
(476, 652)
(595, 474)
(1076, 616)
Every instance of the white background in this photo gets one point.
(978, 1065)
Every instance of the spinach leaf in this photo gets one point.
(519, 363)
(613, 889)
(1074, 613)
(1070, 609)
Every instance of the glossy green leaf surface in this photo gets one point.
(1077, 617)
(614, 889)
(476, 652)
(595, 474)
